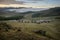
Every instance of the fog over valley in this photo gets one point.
(24, 9)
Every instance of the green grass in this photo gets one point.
(14, 34)
(52, 29)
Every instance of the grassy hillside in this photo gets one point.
(10, 32)
(52, 30)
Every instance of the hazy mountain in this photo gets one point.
(34, 12)
(18, 11)
(50, 12)
(22, 9)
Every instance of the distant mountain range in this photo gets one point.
(50, 12)
(21, 9)
(34, 12)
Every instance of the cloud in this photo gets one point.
(37, 0)
(29, 3)
(18, 1)
(11, 2)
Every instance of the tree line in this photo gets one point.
(10, 18)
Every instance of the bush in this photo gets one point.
(4, 26)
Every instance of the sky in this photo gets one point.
(30, 3)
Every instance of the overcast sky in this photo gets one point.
(30, 3)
